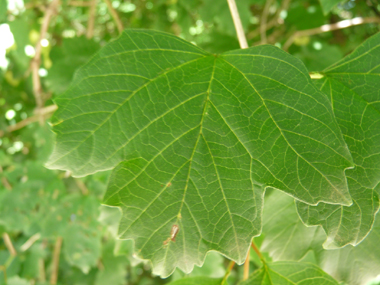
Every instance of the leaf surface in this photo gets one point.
(350, 85)
(196, 139)
(290, 273)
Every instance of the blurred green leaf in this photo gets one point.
(289, 273)
(327, 5)
(286, 238)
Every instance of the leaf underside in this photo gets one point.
(196, 138)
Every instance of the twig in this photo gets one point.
(45, 113)
(228, 271)
(246, 266)
(115, 16)
(57, 250)
(330, 27)
(272, 23)
(237, 22)
(263, 21)
(9, 245)
(257, 251)
(80, 3)
(36, 61)
(30, 242)
(91, 20)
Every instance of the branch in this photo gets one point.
(263, 21)
(330, 27)
(115, 16)
(45, 113)
(57, 251)
(36, 61)
(237, 22)
(9, 245)
(91, 19)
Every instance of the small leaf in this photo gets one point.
(290, 273)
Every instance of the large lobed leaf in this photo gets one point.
(353, 85)
(197, 138)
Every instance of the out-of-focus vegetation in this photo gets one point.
(54, 228)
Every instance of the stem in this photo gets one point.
(330, 27)
(257, 251)
(4, 269)
(91, 20)
(237, 22)
(263, 22)
(115, 16)
(5, 266)
(246, 266)
(30, 242)
(228, 271)
(9, 245)
(57, 250)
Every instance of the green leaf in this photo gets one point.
(289, 273)
(358, 117)
(199, 137)
(327, 5)
(286, 238)
(197, 281)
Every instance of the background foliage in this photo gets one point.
(44, 210)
